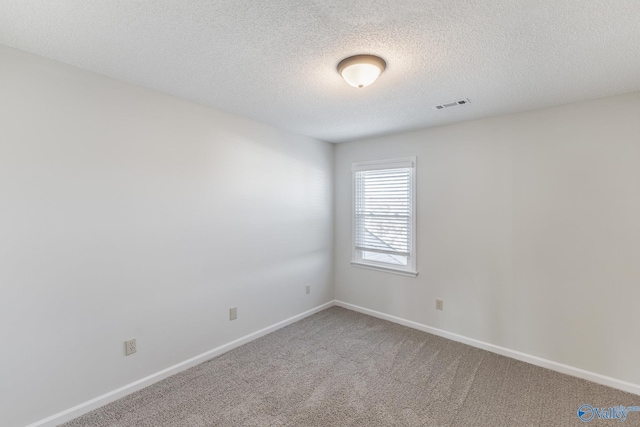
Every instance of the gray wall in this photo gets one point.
(128, 213)
(528, 226)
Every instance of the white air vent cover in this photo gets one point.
(464, 101)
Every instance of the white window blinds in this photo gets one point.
(383, 212)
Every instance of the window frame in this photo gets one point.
(356, 257)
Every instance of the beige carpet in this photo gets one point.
(341, 368)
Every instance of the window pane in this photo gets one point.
(386, 258)
(383, 210)
(384, 217)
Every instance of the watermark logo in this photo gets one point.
(588, 412)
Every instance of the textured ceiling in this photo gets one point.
(274, 61)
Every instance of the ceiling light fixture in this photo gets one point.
(361, 70)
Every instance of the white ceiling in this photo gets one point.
(274, 61)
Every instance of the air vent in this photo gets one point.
(452, 104)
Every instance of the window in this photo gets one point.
(384, 215)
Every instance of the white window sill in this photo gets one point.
(385, 269)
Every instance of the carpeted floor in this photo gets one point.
(342, 368)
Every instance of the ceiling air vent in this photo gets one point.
(452, 104)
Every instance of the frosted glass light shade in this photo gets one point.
(361, 70)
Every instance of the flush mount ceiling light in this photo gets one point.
(361, 70)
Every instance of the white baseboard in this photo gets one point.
(90, 405)
(534, 360)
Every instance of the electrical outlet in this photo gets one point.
(130, 347)
(439, 304)
(308, 289)
(233, 313)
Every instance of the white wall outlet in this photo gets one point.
(130, 347)
(233, 313)
(439, 304)
(308, 289)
